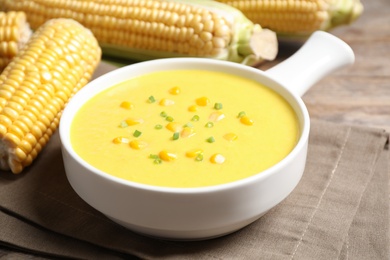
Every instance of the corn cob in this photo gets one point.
(299, 17)
(56, 62)
(142, 30)
(14, 33)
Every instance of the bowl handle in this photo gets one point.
(321, 54)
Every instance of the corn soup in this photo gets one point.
(187, 128)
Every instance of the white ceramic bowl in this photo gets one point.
(206, 212)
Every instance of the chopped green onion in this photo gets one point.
(151, 99)
(241, 114)
(157, 161)
(195, 118)
(153, 156)
(123, 124)
(156, 158)
(175, 136)
(163, 114)
(211, 139)
(158, 127)
(169, 118)
(218, 106)
(188, 125)
(209, 124)
(137, 133)
(199, 157)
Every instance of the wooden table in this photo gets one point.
(358, 95)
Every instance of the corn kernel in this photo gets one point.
(202, 101)
(138, 144)
(187, 132)
(166, 102)
(167, 156)
(134, 121)
(174, 127)
(217, 158)
(230, 137)
(216, 116)
(120, 140)
(127, 105)
(246, 120)
(193, 153)
(175, 91)
(193, 108)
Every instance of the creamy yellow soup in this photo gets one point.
(187, 128)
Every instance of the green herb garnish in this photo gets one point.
(156, 158)
(158, 127)
(163, 114)
(153, 156)
(195, 118)
(209, 124)
(175, 136)
(151, 99)
(241, 114)
(211, 139)
(123, 124)
(157, 161)
(199, 157)
(218, 106)
(137, 133)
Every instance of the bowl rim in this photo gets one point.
(68, 115)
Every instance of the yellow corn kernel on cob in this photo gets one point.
(299, 17)
(142, 30)
(14, 33)
(55, 63)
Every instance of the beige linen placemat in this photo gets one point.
(339, 210)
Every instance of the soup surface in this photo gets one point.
(187, 128)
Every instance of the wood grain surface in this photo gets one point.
(358, 95)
